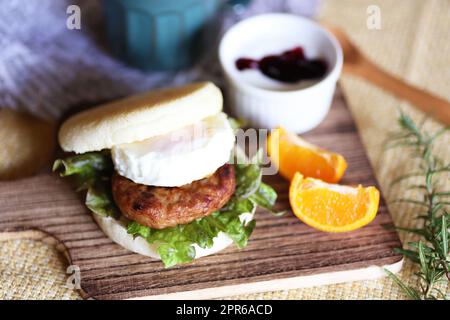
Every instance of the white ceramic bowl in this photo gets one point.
(266, 103)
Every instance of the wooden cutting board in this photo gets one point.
(282, 253)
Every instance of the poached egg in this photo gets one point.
(179, 157)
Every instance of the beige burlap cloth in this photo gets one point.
(414, 43)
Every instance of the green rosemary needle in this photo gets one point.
(431, 251)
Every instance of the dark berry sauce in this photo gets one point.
(291, 66)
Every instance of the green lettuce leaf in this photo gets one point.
(92, 172)
(248, 179)
(87, 168)
(180, 252)
(265, 196)
(176, 244)
(100, 201)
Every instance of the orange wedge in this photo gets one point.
(332, 207)
(297, 155)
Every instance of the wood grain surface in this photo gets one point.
(282, 253)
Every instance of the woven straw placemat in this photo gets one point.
(414, 43)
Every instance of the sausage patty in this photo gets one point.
(162, 207)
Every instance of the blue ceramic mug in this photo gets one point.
(160, 34)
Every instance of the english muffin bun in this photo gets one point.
(116, 230)
(139, 117)
(26, 144)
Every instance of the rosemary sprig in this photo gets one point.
(431, 251)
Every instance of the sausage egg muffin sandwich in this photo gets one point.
(157, 173)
